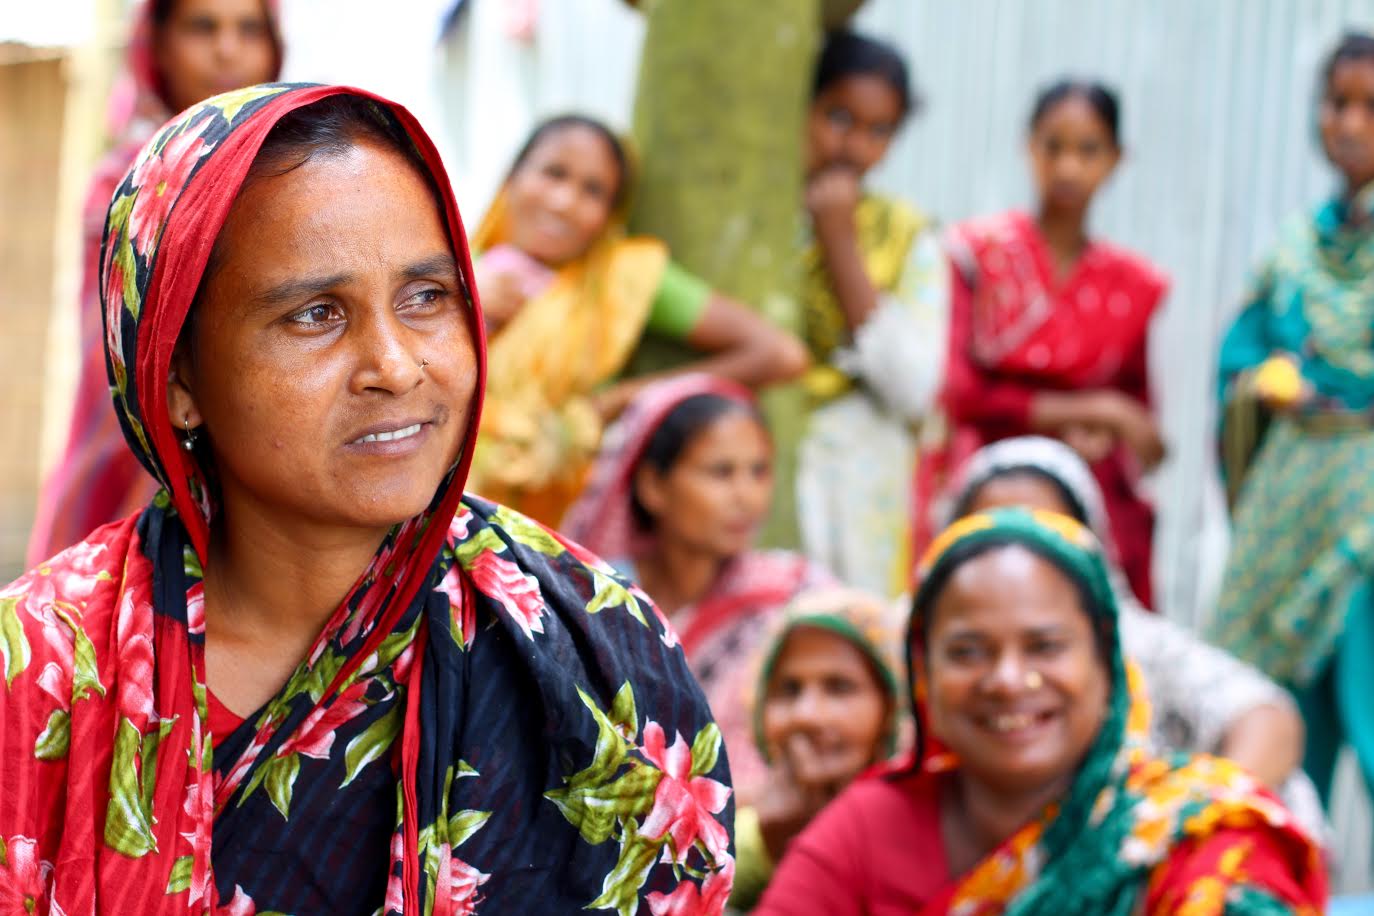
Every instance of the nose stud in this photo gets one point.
(1034, 680)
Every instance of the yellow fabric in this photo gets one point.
(539, 429)
(886, 230)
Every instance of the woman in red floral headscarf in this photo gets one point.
(180, 51)
(311, 676)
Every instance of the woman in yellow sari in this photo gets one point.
(567, 298)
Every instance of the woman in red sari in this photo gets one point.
(1049, 327)
(179, 52)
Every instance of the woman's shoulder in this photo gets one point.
(62, 609)
(1129, 267)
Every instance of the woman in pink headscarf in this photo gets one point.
(682, 483)
(179, 53)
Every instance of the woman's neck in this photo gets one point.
(1066, 234)
(676, 575)
(977, 818)
(269, 580)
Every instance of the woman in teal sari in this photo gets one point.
(1297, 397)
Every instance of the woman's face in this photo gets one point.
(1072, 153)
(562, 195)
(713, 499)
(1025, 490)
(851, 124)
(211, 46)
(824, 701)
(333, 283)
(1347, 121)
(1017, 687)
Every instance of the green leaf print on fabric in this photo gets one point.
(180, 878)
(527, 532)
(280, 780)
(620, 890)
(56, 738)
(706, 749)
(128, 822)
(85, 672)
(372, 743)
(611, 594)
(463, 825)
(13, 644)
(484, 540)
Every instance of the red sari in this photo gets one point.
(1015, 330)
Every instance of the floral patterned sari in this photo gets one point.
(491, 721)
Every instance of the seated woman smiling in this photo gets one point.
(311, 676)
(570, 296)
(1032, 790)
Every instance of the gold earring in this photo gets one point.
(1034, 680)
(423, 363)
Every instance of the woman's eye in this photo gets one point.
(962, 654)
(1047, 648)
(314, 314)
(425, 298)
(840, 686)
(839, 117)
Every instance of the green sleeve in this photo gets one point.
(753, 864)
(678, 304)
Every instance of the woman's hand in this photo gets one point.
(1279, 384)
(1135, 426)
(1092, 442)
(501, 297)
(831, 197)
(804, 780)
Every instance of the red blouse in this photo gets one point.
(876, 850)
(1016, 329)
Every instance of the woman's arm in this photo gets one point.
(1230, 708)
(736, 344)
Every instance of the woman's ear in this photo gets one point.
(181, 399)
(650, 490)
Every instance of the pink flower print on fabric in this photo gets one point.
(23, 878)
(687, 900)
(517, 592)
(684, 805)
(160, 179)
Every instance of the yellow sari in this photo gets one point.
(539, 429)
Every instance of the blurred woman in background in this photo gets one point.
(179, 52)
(1049, 328)
(1202, 699)
(876, 300)
(568, 297)
(826, 708)
(675, 502)
(1296, 386)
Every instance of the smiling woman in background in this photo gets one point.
(1049, 327)
(1033, 790)
(311, 676)
(180, 51)
(568, 298)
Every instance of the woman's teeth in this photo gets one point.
(405, 433)
(1011, 722)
